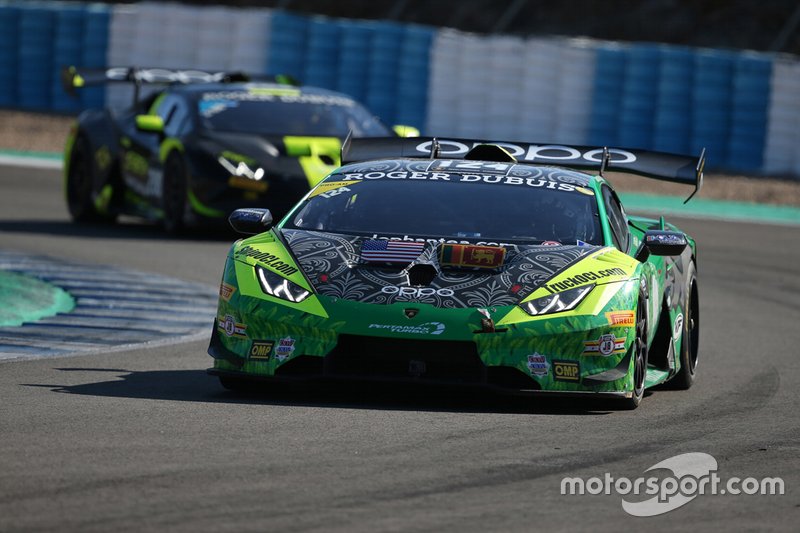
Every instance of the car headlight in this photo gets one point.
(240, 168)
(280, 287)
(555, 303)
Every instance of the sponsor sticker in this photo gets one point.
(582, 278)
(271, 261)
(605, 345)
(567, 371)
(468, 255)
(416, 292)
(329, 189)
(261, 350)
(621, 319)
(428, 328)
(285, 348)
(538, 365)
(678, 328)
(230, 327)
(226, 291)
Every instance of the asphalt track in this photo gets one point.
(144, 439)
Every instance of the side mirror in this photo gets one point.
(405, 131)
(150, 123)
(661, 242)
(250, 221)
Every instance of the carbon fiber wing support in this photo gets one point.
(675, 168)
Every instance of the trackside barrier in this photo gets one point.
(9, 35)
(742, 106)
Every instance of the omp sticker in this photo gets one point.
(622, 319)
(226, 291)
(261, 349)
(605, 345)
(326, 189)
(566, 371)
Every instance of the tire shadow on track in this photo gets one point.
(197, 386)
(133, 230)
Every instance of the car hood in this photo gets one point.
(334, 266)
(266, 146)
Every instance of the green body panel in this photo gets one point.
(308, 150)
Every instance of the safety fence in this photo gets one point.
(741, 106)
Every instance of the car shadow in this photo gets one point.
(124, 230)
(197, 386)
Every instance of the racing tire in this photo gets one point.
(79, 185)
(690, 336)
(640, 349)
(174, 194)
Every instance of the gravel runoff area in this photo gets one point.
(46, 133)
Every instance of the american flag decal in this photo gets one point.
(383, 251)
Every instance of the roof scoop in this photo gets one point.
(490, 152)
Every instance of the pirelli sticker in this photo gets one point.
(226, 291)
(467, 255)
(621, 319)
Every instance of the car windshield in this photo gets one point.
(287, 112)
(471, 211)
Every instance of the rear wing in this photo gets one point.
(73, 78)
(674, 168)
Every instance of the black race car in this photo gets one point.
(204, 145)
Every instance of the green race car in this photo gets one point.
(468, 263)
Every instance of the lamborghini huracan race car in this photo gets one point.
(204, 145)
(467, 263)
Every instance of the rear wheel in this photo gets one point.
(79, 185)
(690, 337)
(174, 195)
(639, 355)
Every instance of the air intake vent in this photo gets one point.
(490, 152)
(421, 275)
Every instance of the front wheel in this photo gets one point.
(639, 355)
(174, 194)
(79, 186)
